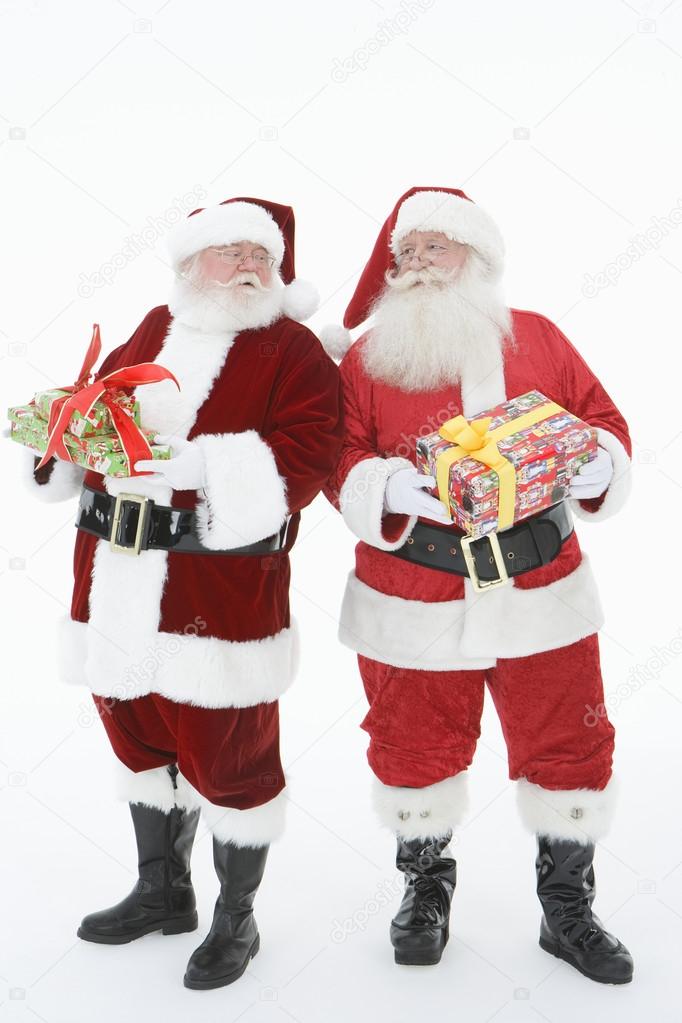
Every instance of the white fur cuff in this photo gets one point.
(254, 827)
(65, 479)
(245, 497)
(421, 813)
(361, 500)
(153, 788)
(582, 815)
(621, 482)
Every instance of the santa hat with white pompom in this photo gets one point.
(252, 220)
(446, 210)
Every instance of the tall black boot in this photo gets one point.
(233, 939)
(163, 897)
(569, 930)
(420, 929)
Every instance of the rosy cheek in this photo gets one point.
(219, 271)
(210, 265)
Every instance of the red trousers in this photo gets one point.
(423, 725)
(229, 754)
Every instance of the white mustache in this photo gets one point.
(242, 277)
(246, 277)
(427, 275)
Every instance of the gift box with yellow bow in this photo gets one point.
(510, 462)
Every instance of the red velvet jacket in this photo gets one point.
(209, 629)
(411, 616)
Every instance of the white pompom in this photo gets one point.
(336, 340)
(301, 299)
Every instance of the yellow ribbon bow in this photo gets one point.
(470, 435)
(473, 440)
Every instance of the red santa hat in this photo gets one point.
(253, 220)
(446, 210)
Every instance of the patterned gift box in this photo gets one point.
(94, 421)
(545, 455)
(98, 418)
(101, 453)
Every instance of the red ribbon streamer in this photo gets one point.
(83, 395)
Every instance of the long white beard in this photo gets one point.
(434, 333)
(215, 309)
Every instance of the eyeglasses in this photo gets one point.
(433, 252)
(233, 257)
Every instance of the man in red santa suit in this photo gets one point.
(180, 621)
(431, 632)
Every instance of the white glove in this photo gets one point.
(186, 470)
(405, 495)
(593, 477)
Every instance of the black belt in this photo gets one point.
(133, 523)
(492, 559)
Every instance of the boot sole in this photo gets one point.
(180, 925)
(422, 958)
(558, 952)
(229, 978)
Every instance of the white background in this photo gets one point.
(562, 120)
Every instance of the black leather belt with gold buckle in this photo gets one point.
(493, 559)
(133, 523)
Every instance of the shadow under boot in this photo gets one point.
(569, 930)
(420, 929)
(233, 939)
(163, 897)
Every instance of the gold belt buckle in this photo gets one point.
(481, 587)
(141, 518)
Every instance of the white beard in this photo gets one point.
(431, 334)
(216, 309)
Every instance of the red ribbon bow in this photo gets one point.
(83, 395)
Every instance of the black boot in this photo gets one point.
(420, 929)
(233, 939)
(569, 930)
(163, 897)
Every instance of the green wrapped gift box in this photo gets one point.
(98, 419)
(102, 453)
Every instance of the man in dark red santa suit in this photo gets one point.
(430, 633)
(187, 644)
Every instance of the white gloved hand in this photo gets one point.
(185, 470)
(593, 477)
(405, 495)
